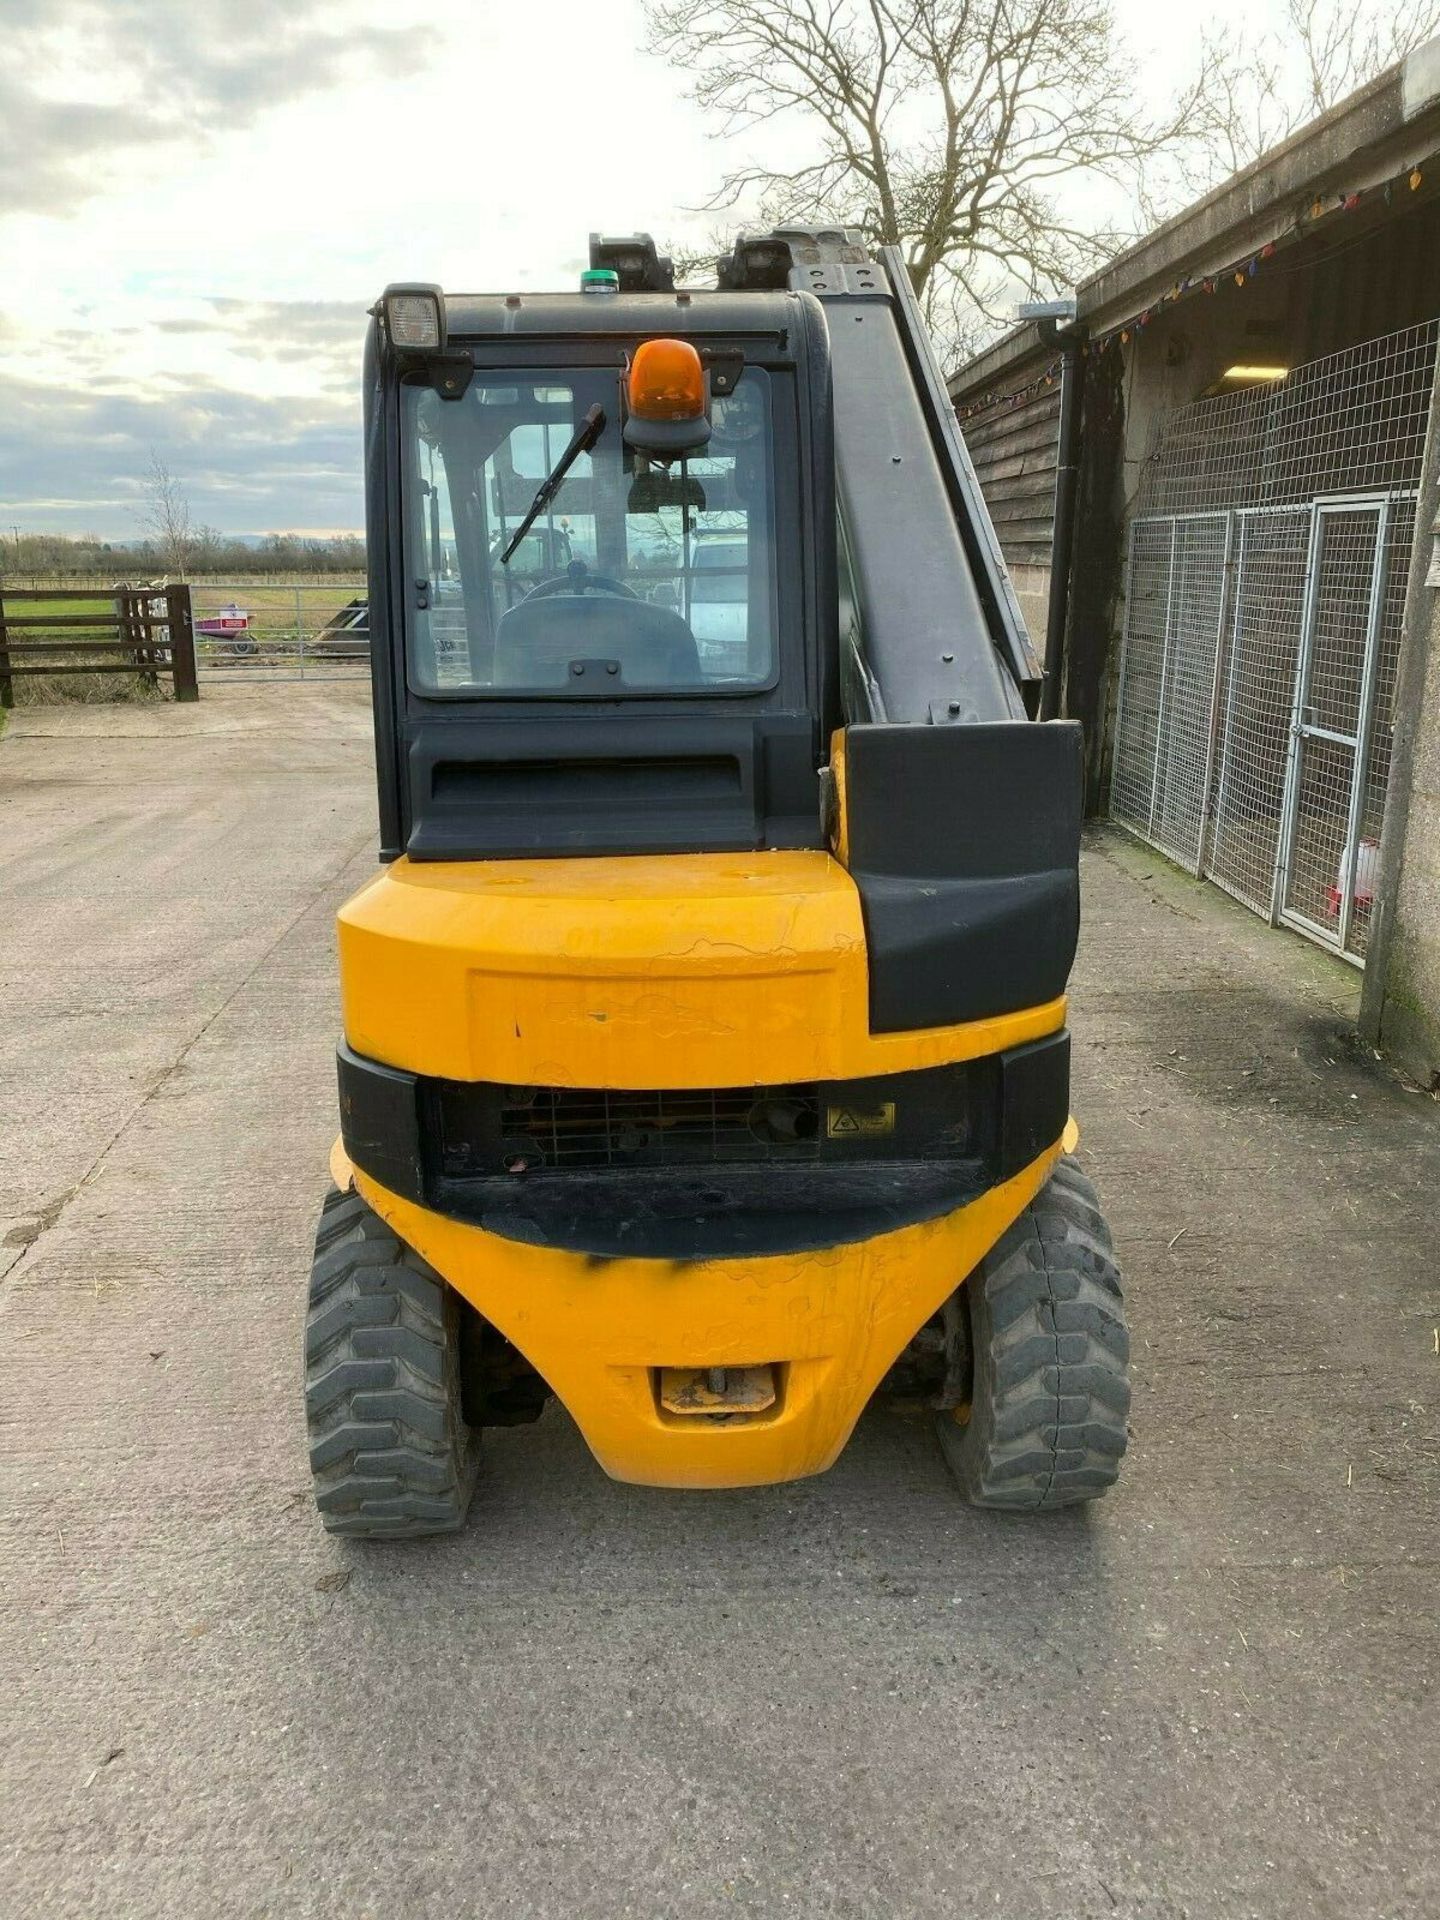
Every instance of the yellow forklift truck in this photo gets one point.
(704, 1054)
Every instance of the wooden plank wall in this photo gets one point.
(1013, 446)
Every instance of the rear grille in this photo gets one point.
(594, 1127)
(481, 1130)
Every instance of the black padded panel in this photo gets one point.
(964, 843)
(546, 638)
(605, 782)
(1034, 1101)
(380, 1122)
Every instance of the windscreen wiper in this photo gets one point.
(584, 438)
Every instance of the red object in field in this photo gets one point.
(225, 624)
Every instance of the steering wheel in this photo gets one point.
(578, 578)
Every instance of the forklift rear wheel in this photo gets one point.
(390, 1451)
(1050, 1392)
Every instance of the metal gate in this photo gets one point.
(1259, 652)
(1319, 882)
(1267, 611)
(251, 631)
(1165, 726)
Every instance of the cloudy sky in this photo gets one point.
(198, 199)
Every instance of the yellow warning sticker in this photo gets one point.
(840, 1122)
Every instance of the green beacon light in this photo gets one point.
(599, 280)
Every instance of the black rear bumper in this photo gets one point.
(709, 1176)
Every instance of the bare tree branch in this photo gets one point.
(961, 131)
(1268, 85)
(945, 127)
(166, 518)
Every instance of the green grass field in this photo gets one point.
(53, 605)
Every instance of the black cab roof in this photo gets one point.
(482, 315)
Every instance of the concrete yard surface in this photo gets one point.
(1214, 1694)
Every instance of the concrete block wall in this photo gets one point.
(1409, 1023)
(1032, 590)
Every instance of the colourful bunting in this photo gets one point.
(1241, 271)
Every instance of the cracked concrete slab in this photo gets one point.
(1212, 1696)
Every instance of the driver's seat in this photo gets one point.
(539, 641)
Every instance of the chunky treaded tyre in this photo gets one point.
(1051, 1390)
(390, 1452)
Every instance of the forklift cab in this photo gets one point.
(704, 1029)
(595, 644)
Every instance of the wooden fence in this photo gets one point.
(147, 631)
